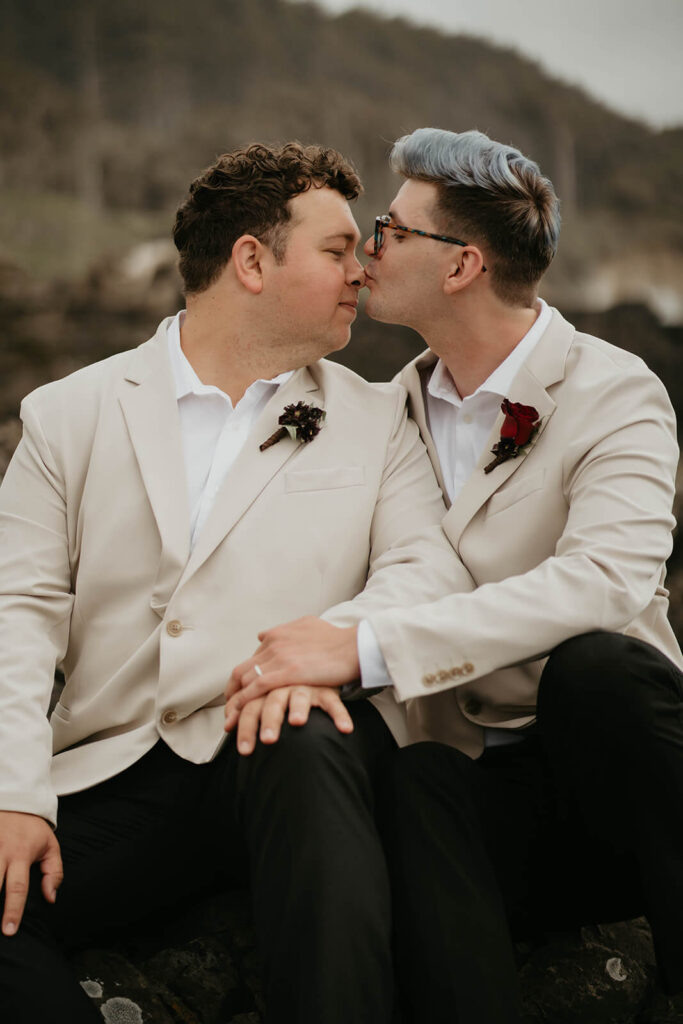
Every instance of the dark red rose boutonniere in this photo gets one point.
(301, 422)
(520, 424)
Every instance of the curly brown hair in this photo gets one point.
(248, 192)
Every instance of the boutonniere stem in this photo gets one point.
(519, 426)
(301, 422)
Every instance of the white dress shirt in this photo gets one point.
(212, 430)
(460, 428)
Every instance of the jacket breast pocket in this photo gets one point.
(324, 479)
(520, 489)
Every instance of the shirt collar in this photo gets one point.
(441, 383)
(186, 380)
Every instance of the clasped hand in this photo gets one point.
(297, 666)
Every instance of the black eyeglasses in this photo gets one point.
(385, 221)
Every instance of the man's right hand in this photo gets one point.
(24, 840)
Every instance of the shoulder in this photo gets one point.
(581, 369)
(82, 393)
(609, 401)
(608, 373)
(342, 385)
(602, 354)
(81, 383)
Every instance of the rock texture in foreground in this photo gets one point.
(202, 968)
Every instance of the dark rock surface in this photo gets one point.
(201, 967)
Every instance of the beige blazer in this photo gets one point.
(569, 537)
(96, 571)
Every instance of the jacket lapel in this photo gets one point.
(480, 485)
(150, 409)
(544, 367)
(410, 378)
(253, 469)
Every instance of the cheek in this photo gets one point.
(315, 299)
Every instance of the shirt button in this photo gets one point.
(174, 627)
(169, 717)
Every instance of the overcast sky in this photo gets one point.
(627, 53)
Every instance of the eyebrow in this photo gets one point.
(350, 236)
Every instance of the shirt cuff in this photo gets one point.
(373, 667)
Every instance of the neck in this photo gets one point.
(223, 352)
(476, 341)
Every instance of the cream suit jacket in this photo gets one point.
(96, 571)
(569, 537)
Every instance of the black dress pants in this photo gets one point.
(301, 812)
(580, 822)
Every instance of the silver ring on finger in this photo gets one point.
(258, 670)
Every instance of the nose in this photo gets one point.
(357, 273)
(369, 246)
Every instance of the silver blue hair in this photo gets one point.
(471, 159)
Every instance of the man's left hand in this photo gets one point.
(308, 652)
(263, 717)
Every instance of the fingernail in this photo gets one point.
(267, 734)
(10, 928)
(244, 747)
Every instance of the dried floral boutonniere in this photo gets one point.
(301, 422)
(520, 424)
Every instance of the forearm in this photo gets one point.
(410, 558)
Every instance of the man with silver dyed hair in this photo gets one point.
(544, 785)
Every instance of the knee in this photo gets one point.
(609, 679)
(303, 756)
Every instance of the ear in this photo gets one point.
(467, 265)
(247, 260)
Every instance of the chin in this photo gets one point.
(341, 342)
(378, 314)
(332, 344)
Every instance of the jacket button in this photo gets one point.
(429, 680)
(468, 668)
(174, 627)
(169, 717)
(473, 706)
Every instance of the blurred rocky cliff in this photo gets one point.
(107, 111)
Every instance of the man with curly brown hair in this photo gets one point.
(147, 533)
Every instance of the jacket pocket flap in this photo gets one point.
(507, 496)
(324, 479)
